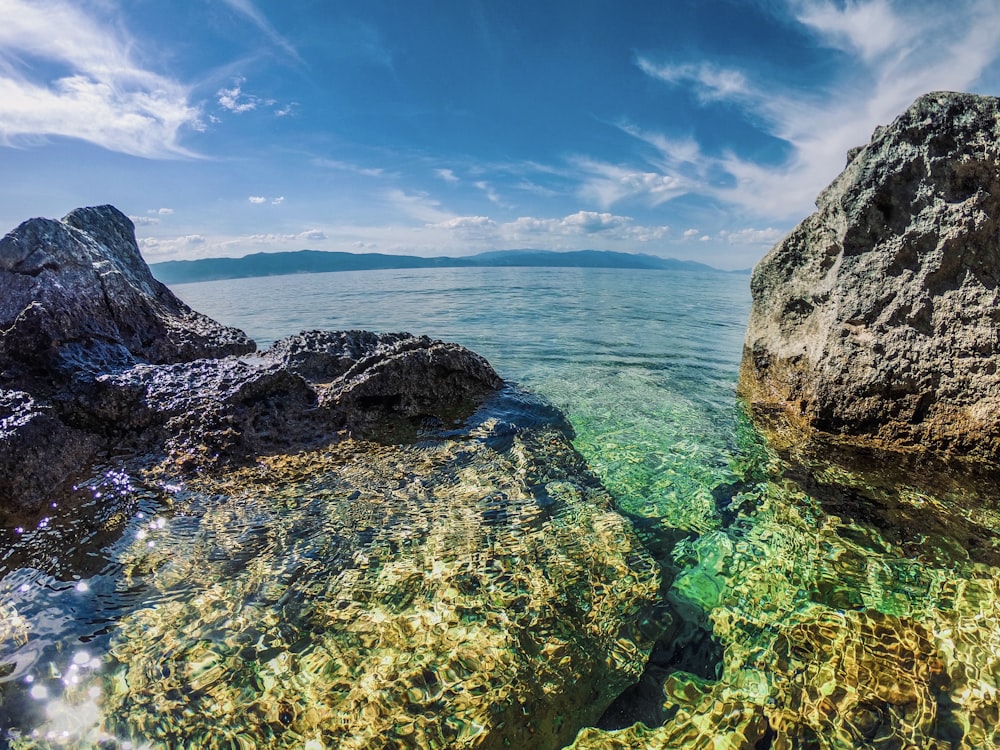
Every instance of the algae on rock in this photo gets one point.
(477, 591)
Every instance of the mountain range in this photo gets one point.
(317, 261)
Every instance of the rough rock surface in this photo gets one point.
(268, 569)
(98, 357)
(877, 317)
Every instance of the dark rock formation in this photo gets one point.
(877, 317)
(324, 584)
(96, 356)
(77, 294)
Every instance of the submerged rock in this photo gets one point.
(346, 545)
(876, 318)
(477, 592)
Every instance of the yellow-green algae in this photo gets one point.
(478, 593)
(855, 610)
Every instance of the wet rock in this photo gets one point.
(876, 318)
(107, 360)
(323, 356)
(78, 295)
(37, 452)
(371, 378)
(467, 593)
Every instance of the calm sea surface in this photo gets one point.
(813, 603)
(643, 363)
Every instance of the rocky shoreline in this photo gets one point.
(98, 358)
(348, 545)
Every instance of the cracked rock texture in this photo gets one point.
(97, 358)
(876, 319)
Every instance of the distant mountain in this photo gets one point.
(316, 261)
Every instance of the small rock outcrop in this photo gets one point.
(97, 357)
(877, 318)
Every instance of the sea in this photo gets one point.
(821, 599)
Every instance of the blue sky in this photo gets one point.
(699, 129)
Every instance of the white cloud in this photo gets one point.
(278, 201)
(447, 175)
(491, 195)
(164, 211)
(235, 100)
(471, 227)
(711, 82)
(554, 231)
(102, 95)
(750, 236)
(347, 167)
(158, 248)
(257, 199)
(865, 28)
(897, 51)
(144, 221)
(607, 184)
(249, 11)
(689, 233)
(419, 206)
(311, 234)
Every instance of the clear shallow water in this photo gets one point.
(642, 362)
(812, 603)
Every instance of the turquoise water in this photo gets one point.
(643, 363)
(815, 599)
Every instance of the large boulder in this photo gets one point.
(99, 358)
(77, 293)
(877, 317)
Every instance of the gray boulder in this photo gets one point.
(877, 317)
(78, 295)
(98, 358)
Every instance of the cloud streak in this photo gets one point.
(250, 12)
(602, 226)
(67, 74)
(895, 53)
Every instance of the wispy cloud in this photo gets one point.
(607, 184)
(235, 100)
(711, 82)
(447, 175)
(257, 199)
(894, 51)
(250, 11)
(491, 195)
(100, 94)
(238, 101)
(419, 206)
(344, 166)
(866, 28)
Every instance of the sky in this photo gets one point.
(693, 129)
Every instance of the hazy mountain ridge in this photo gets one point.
(317, 261)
